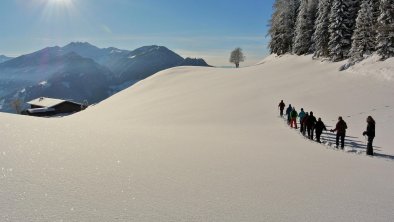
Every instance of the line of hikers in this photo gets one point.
(309, 124)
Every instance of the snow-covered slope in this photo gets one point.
(205, 144)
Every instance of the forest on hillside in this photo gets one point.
(334, 29)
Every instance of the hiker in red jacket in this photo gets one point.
(341, 132)
(293, 118)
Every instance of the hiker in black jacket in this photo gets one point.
(319, 129)
(281, 107)
(310, 125)
(340, 128)
(371, 134)
(303, 123)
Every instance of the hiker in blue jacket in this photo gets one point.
(288, 111)
(303, 122)
(301, 115)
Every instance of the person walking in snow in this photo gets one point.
(303, 122)
(288, 111)
(301, 115)
(293, 116)
(370, 132)
(281, 107)
(310, 125)
(319, 129)
(340, 128)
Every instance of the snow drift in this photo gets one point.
(206, 144)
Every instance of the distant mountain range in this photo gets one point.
(4, 58)
(81, 71)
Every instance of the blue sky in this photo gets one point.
(198, 28)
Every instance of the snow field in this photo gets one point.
(204, 144)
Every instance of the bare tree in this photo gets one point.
(17, 105)
(237, 56)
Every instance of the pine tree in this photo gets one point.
(364, 35)
(282, 26)
(376, 14)
(304, 27)
(321, 35)
(385, 38)
(337, 30)
(354, 8)
(274, 31)
(342, 24)
(313, 16)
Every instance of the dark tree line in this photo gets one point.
(334, 29)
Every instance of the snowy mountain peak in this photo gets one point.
(84, 49)
(49, 49)
(80, 44)
(194, 62)
(43, 57)
(151, 48)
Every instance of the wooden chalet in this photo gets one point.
(49, 107)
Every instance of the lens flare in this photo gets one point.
(64, 2)
(58, 8)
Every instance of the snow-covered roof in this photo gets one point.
(47, 102)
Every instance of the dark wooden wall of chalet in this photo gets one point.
(35, 107)
(67, 107)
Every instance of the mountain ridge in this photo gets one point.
(21, 76)
(4, 58)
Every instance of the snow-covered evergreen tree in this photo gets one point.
(321, 35)
(354, 8)
(364, 35)
(282, 25)
(385, 38)
(342, 23)
(304, 27)
(376, 13)
(314, 6)
(339, 40)
(274, 31)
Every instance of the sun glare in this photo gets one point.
(64, 2)
(59, 3)
(57, 8)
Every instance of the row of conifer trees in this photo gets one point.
(334, 29)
